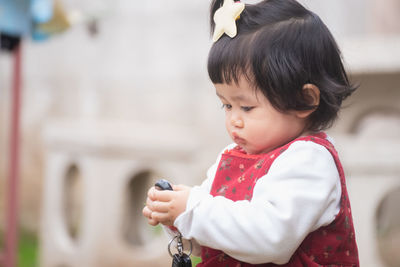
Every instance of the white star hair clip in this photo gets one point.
(225, 19)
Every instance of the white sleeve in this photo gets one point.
(300, 193)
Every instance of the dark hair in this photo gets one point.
(281, 46)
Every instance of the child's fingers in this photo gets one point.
(150, 193)
(152, 222)
(163, 218)
(160, 195)
(149, 202)
(163, 196)
(160, 206)
(180, 187)
(157, 205)
(146, 212)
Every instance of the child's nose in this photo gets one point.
(237, 122)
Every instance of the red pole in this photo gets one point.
(11, 245)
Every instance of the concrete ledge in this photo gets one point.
(371, 54)
(370, 156)
(120, 138)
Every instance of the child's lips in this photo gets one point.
(237, 139)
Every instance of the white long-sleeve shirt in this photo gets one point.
(299, 194)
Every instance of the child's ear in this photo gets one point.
(311, 94)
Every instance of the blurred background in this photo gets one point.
(115, 94)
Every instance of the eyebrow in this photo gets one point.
(235, 98)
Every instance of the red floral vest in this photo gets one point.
(332, 245)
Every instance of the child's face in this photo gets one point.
(252, 122)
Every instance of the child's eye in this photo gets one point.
(246, 108)
(226, 106)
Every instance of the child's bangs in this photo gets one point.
(228, 60)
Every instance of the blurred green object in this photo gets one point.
(28, 249)
(195, 260)
(157, 230)
(1, 240)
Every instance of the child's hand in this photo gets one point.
(165, 206)
(147, 212)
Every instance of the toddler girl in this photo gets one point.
(278, 194)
